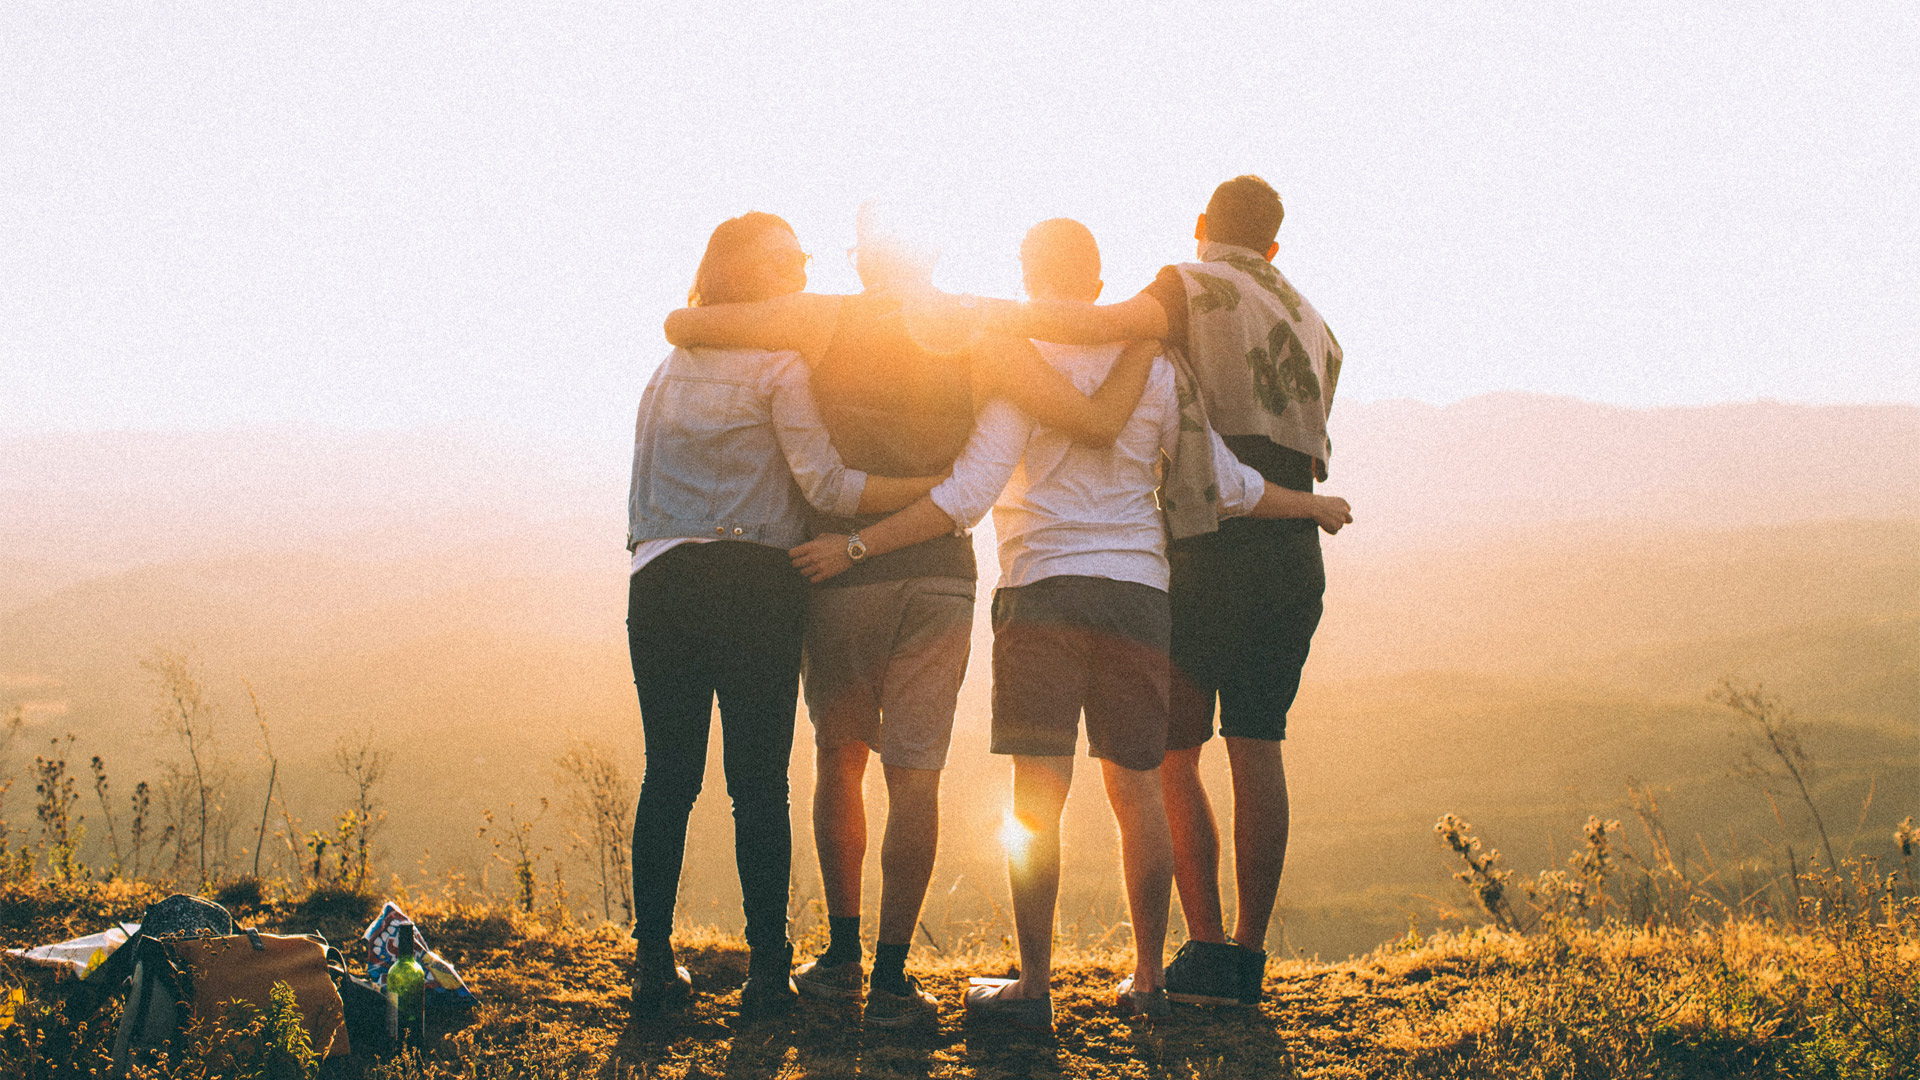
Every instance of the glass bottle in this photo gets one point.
(406, 986)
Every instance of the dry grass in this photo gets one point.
(1743, 999)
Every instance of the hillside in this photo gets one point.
(1420, 477)
(1500, 464)
(1517, 694)
(461, 603)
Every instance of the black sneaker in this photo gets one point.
(659, 984)
(1253, 974)
(1206, 973)
(769, 990)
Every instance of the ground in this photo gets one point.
(1707, 1002)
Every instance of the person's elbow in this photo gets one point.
(677, 328)
(961, 507)
(836, 500)
(1137, 319)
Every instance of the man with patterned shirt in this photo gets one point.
(1259, 363)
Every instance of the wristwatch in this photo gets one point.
(856, 548)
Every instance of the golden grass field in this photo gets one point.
(1838, 997)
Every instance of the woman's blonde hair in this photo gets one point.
(725, 275)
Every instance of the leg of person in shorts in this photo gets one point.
(1243, 617)
(884, 663)
(1062, 644)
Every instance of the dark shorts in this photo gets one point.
(1246, 602)
(1069, 642)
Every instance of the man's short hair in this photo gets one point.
(1062, 253)
(1245, 212)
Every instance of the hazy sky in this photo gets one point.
(458, 214)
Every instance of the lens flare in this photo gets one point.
(1014, 837)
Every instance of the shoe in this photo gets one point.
(658, 983)
(830, 982)
(985, 1003)
(887, 1009)
(1253, 974)
(1206, 973)
(769, 990)
(1148, 1003)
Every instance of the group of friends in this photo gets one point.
(806, 470)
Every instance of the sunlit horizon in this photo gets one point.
(402, 219)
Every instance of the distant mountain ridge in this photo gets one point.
(1419, 476)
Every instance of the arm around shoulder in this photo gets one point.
(1013, 369)
(799, 321)
(1072, 323)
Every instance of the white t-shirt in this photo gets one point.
(1063, 508)
(648, 550)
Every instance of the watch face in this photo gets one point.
(856, 549)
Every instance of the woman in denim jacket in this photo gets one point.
(728, 450)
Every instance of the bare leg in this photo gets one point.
(840, 824)
(1196, 844)
(1039, 794)
(907, 849)
(1146, 852)
(1260, 821)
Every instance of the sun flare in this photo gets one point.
(1015, 837)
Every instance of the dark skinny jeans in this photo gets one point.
(724, 619)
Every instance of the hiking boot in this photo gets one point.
(830, 982)
(1206, 973)
(769, 990)
(887, 1009)
(658, 983)
(1148, 1003)
(1253, 974)
(985, 1002)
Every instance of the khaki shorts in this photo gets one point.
(883, 666)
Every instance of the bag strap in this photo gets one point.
(157, 961)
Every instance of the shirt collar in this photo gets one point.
(1216, 251)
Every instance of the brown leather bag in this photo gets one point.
(244, 967)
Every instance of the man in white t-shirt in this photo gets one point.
(1081, 621)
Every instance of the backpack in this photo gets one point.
(186, 962)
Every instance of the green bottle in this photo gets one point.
(406, 986)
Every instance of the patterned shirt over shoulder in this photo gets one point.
(1264, 360)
